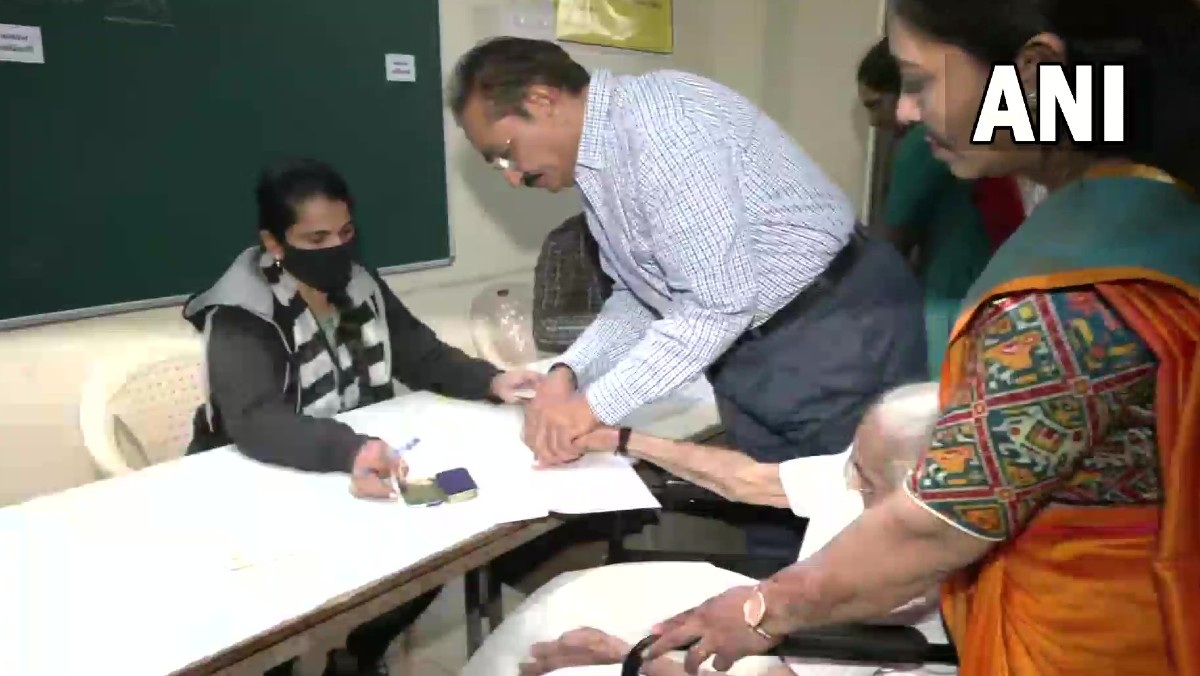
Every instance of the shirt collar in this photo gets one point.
(595, 120)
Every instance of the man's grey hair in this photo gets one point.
(906, 416)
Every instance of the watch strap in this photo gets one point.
(623, 435)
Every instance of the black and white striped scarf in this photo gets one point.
(362, 374)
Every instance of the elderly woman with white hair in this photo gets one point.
(592, 617)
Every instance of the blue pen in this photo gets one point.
(399, 453)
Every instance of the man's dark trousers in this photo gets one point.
(802, 388)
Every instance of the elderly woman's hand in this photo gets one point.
(716, 628)
(577, 648)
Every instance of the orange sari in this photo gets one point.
(1030, 607)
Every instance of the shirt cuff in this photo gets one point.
(610, 400)
(810, 482)
(584, 372)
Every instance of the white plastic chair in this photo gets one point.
(502, 326)
(137, 405)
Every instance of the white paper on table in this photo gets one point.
(490, 448)
(597, 482)
(242, 546)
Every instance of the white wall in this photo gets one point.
(813, 51)
(795, 57)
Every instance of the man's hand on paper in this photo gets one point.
(551, 429)
(375, 466)
(555, 417)
(510, 385)
(558, 385)
(577, 648)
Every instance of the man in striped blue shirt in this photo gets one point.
(733, 254)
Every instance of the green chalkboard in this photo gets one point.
(128, 159)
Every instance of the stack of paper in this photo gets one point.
(593, 484)
(487, 441)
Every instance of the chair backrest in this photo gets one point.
(137, 406)
(501, 327)
(569, 285)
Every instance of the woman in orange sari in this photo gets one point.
(1060, 502)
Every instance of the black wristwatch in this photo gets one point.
(623, 435)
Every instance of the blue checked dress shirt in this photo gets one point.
(709, 219)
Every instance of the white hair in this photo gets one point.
(906, 417)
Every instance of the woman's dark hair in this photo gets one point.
(878, 70)
(1158, 41)
(285, 186)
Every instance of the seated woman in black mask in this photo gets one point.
(297, 331)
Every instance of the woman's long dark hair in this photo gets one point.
(1157, 40)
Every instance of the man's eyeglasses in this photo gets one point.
(503, 160)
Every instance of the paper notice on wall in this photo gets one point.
(401, 67)
(22, 44)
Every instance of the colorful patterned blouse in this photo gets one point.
(1058, 407)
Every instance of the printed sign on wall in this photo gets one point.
(642, 25)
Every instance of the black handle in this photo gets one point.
(632, 666)
(862, 643)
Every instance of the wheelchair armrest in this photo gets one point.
(757, 567)
(675, 493)
(868, 643)
(857, 643)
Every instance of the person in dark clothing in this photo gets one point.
(297, 331)
(879, 86)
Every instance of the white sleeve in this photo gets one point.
(816, 489)
(840, 510)
(810, 483)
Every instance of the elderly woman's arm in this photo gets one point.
(1047, 376)
(731, 474)
(890, 555)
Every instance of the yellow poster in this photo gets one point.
(644, 25)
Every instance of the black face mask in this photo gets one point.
(326, 270)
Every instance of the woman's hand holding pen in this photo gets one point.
(377, 471)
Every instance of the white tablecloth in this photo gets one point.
(147, 573)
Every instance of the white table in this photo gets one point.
(136, 575)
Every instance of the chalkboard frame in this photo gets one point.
(431, 225)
